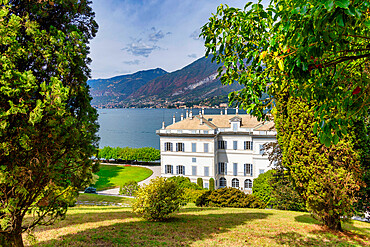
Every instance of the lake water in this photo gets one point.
(136, 127)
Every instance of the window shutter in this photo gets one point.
(251, 145)
(219, 168)
(171, 146)
(251, 170)
(165, 146)
(225, 168)
(183, 147)
(225, 144)
(183, 170)
(177, 147)
(177, 169)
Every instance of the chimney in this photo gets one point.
(191, 114)
(226, 111)
(200, 113)
(221, 113)
(163, 125)
(187, 113)
(201, 120)
(174, 119)
(203, 111)
(237, 110)
(182, 116)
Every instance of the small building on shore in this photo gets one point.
(227, 148)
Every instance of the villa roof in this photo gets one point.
(220, 121)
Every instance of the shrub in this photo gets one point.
(200, 182)
(191, 195)
(211, 184)
(129, 188)
(262, 186)
(157, 200)
(184, 182)
(202, 200)
(229, 197)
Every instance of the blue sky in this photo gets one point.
(144, 34)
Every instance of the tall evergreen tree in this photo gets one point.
(47, 125)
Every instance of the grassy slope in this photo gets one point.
(114, 226)
(101, 198)
(111, 176)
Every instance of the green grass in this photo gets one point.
(93, 198)
(112, 176)
(192, 226)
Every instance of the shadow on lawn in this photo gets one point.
(105, 174)
(181, 230)
(322, 238)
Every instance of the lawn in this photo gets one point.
(112, 176)
(192, 226)
(99, 199)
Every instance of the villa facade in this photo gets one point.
(227, 148)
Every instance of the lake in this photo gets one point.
(136, 127)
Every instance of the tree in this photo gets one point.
(48, 127)
(211, 184)
(319, 48)
(200, 182)
(315, 53)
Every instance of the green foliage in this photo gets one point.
(328, 179)
(211, 184)
(262, 187)
(129, 188)
(184, 182)
(320, 48)
(200, 182)
(47, 126)
(157, 200)
(130, 154)
(191, 195)
(229, 197)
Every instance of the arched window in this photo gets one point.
(222, 182)
(235, 183)
(248, 184)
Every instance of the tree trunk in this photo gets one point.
(11, 240)
(333, 222)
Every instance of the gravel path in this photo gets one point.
(115, 192)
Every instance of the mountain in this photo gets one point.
(117, 89)
(193, 83)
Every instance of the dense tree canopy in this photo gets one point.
(320, 47)
(47, 126)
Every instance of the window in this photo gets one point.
(262, 149)
(193, 160)
(248, 169)
(168, 169)
(168, 146)
(206, 185)
(222, 168)
(180, 170)
(222, 145)
(248, 145)
(235, 145)
(206, 147)
(180, 147)
(222, 182)
(235, 183)
(262, 171)
(194, 170)
(206, 171)
(205, 131)
(235, 126)
(248, 184)
(235, 169)
(193, 147)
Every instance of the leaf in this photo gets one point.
(281, 65)
(329, 5)
(340, 20)
(367, 24)
(342, 3)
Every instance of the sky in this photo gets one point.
(138, 35)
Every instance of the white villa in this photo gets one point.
(227, 148)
